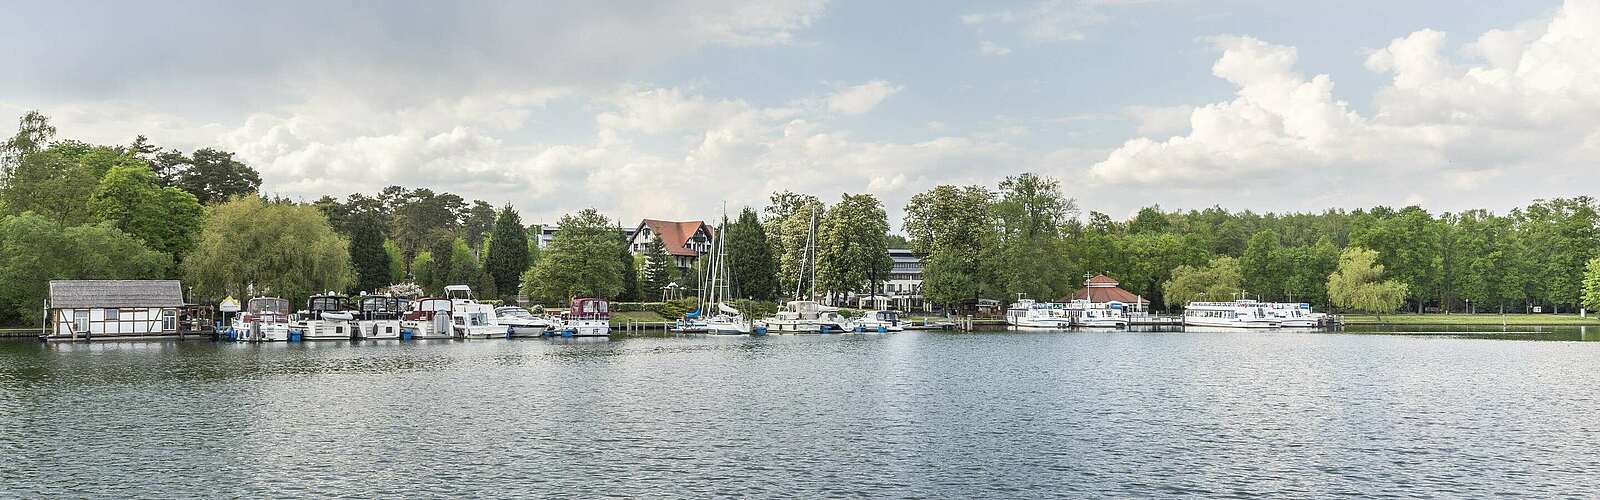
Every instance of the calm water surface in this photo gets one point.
(906, 415)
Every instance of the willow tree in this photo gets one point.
(1355, 284)
(1217, 280)
(280, 249)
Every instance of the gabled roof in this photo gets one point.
(1101, 280)
(83, 294)
(675, 235)
(1103, 288)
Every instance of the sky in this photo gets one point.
(671, 109)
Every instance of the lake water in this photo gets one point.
(1013, 414)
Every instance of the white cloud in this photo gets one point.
(861, 98)
(1051, 20)
(989, 48)
(1524, 110)
(1159, 120)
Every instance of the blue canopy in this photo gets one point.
(692, 314)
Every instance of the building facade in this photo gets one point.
(685, 241)
(903, 290)
(102, 309)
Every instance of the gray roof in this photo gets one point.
(77, 294)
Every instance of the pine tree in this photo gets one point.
(657, 269)
(508, 254)
(755, 272)
(368, 255)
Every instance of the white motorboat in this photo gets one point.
(1098, 314)
(805, 316)
(587, 317)
(428, 318)
(1234, 314)
(326, 317)
(378, 317)
(265, 319)
(880, 321)
(521, 323)
(1293, 315)
(1027, 313)
(471, 319)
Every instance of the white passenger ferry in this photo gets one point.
(1294, 315)
(1097, 314)
(1027, 313)
(1235, 314)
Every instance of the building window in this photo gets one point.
(80, 320)
(169, 320)
(112, 314)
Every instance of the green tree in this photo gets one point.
(464, 268)
(755, 273)
(397, 261)
(213, 175)
(369, 257)
(33, 133)
(630, 270)
(423, 270)
(1355, 284)
(1029, 216)
(581, 261)
(788, 227)
(508, 256)
(1218, 280)
(953, 227)
(420, 216)
(1265, 265)
(167, 219)
(35, 249)
(1591, 284)
(657, 269)
(279, 249)
(476, 223)
(58, 181)
(852, 251)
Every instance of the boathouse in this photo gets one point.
(100, 309)
(1101, 289)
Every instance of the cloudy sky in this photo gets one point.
(667, 109)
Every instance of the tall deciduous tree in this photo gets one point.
(166, 219)
(1029, 217)
(1355, 285)
(754, 272)
(58, 181)
(1265, 265)
(788, 226)
(852, 245)
(281, 249)
(508, 255)
(952, 226)
(33, 134)
(581, 261)
(35, 249)
(476, 223)
(1591, 284)
(213, 175)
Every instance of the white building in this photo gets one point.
(102, 309)
(684, 241)
(903, 290)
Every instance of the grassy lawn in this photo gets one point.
(1471, 319)
(644, 316)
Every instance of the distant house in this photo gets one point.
(685, 241)
(543, 234)
(101, 309)
(903, 290)
(1102, 289)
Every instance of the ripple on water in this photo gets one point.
(906, 415)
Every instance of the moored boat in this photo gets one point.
(1098, 314)
(378, 317)
(587, 317)
(265, 319)
(880, 321)
(326, 317)
(519, 322)
(1028, 313)
(1293, 315)
(1234, 314)
(471, 319)
(428, 318)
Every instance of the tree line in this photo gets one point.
(69, 209)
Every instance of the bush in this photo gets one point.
(676, 308)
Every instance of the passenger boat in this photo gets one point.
(428, 318)
(881, 321)
(265, 319)
(1027, 313)
(471, 319)
(587, 317)
(326, 317)
(378, 317)
(1098, 314)
(1235, 314)
(1293, 315)
(521, 323)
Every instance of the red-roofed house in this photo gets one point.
(685, 241)
(1102, 289)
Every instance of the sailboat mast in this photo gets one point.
(811, 245)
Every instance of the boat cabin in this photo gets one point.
(332, 302)
(381, 307)
(459, 292)
(90, 309)
(425, 308)
(589, 308)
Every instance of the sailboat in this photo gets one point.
(727, 320)
(807, 316)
